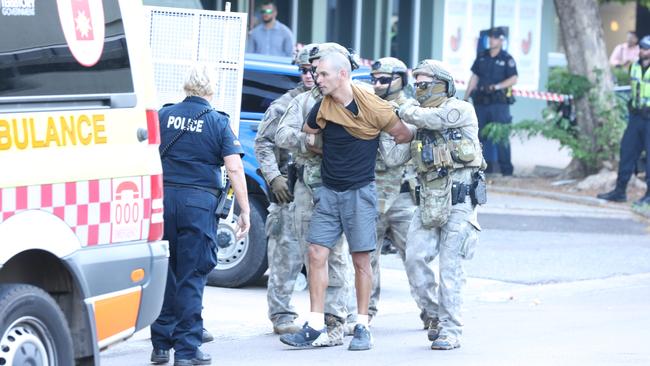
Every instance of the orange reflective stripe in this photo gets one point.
(117, 313)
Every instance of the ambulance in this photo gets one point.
(82, 263)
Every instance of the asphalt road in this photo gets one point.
(552, 283)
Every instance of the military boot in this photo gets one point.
(431, 326)
(617, 195)
(285, 327)
(335, 329)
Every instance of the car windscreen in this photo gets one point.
(36, 58)
(261, 88)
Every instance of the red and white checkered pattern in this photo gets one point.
(87, 207)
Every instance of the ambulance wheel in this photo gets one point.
(33, 327)
(240, 262)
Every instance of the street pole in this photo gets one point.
(492, 15)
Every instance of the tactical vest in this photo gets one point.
(436, 153)
(640, 87)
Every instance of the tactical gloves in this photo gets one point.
(280, 189)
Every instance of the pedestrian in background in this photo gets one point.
(494, 72)
(626, 53)
(270, 37)
(196, 141)
(636, 137)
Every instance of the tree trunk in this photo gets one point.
(582, 36)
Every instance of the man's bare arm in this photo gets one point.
(471, 86)
(235, 170)
(401, 132)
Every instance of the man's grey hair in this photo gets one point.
(338, 62)
(200, 81)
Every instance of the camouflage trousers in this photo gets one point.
(285, 258)
(453, 242)
(339, 263)
(397, 218)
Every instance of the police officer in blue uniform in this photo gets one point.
(636, 137)
(196, 141)
(494, 72)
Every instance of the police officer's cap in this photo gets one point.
(497, 32)
(644, 43)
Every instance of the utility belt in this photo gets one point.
(644, 112)
(297, 173)
(224, 201)
(483, 96)
(212, 191)
(405, 188)
(477, 190)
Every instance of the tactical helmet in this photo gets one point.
(325, 48)
(644, 43)
(436, 70)
(392, 66)
(302, 57)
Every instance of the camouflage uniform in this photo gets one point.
(438, 228)
(283, 248)
(289, 136)
(395, 208)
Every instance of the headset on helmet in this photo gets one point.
(391, 65)
(326, 48)
(302, 56)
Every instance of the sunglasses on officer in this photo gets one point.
(266, 11)
(381, 80)
(425, 84)
(306, 70)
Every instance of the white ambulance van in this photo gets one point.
(82, 263)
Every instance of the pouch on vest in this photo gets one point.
(311, 176)
(435, 202)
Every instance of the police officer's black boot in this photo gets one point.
(617, 195)
(206, 336)
(643, 201)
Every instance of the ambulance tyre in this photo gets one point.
(33, 328)
(241, 262)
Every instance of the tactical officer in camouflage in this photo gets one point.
(448, 159)
(395, 179)
(307, 157)
(285, 255)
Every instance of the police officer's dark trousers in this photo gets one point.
(492, 152)
(190, 227)
(636, 138)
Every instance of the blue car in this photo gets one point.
(266, 78)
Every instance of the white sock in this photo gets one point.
(316, 320)
(362, 319)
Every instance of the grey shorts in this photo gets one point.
(353, 212)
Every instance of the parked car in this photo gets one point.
(243, 262)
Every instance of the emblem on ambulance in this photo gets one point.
(83, 26)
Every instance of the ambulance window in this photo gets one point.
(262, 88)
(35, 59)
